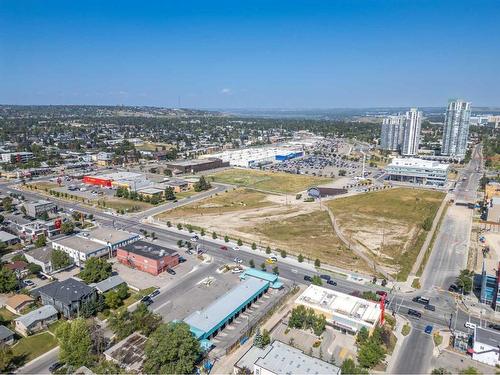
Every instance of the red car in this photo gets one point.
(223, 247)
(381, 293)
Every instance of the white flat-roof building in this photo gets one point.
(97, 242)
(16, 157)
(344, 312)
(418, 171)
(249, 157)
(486, 348)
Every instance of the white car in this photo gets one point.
(470, 325)
(238, 260)
(237, 270)
(236, 248)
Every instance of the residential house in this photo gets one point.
(68, 296)
(18, 302)
(19, 267)
(36, 320)
(6, 336)
(8, 238)
(42, 257)
(110, 283)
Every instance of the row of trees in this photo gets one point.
(305, 318)
(123, 323)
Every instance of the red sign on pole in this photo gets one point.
(382, 308)
(57, 223)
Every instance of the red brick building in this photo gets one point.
(148, 257)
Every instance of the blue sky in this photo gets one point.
(250, 54)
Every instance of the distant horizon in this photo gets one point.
(493, 107)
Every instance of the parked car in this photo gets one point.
(237, 270)
(171, 271)
(236, 248)
(195, 238)
(331, 282)
(153, 293)
(41, 276)
(223, 247)
(55, 366)
(237, 260)
(28, 282)
(453, 288)
(414, 313)
(325, 277)
(308, 278)
(430, 307)
(147, 300)
(381, 293)
(470, 325)
(428, 329)
(182, 259)
(494, 326)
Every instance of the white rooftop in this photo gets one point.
(418, 163)
(340, 304)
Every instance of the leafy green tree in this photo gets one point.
(2, 219)
(67, 227)
(440, 371)
(122, 291)
(317, 263)
(202, 185)
(171, 349)
(107, 368)
(40, 240)
(254, 246)
(226, 239)
(300, 258)
(362, 336)
(349, 367)
(112, 299)
(19, 257)
(179, 226)
(34, 268)
(95, 270)
(342, 172)
(283, 253)
(319, 325)
(257, 341)
(214, 235)
(276, 270)
(240, 242)
(8, 280)
(252, 263)
(266, 337)
(316, 280)
(263, 266)
(60, 259)
(268, 250)
(427, 224)
(469, 371)
(169, 224)
(7, 204)
(464, 280)
(180, 243)
(6, 357)
(169, 193)
(75, 344)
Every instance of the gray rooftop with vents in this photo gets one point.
(280, 358)
(149, 250)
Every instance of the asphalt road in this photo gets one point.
(448, 258)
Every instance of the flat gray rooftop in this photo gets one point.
(224, 306)
(285, 359)
(80, 244)
(106, 234)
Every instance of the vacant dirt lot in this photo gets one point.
(269, 181)
(388, 224)
(269, 219)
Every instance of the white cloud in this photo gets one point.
(226, 91)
